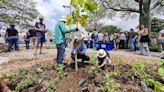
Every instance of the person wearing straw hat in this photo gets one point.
(103, 58)
(60, 39)
(79, 46)
(40, 28)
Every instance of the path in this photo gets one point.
(26, 59)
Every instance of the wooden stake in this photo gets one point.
(76, 62)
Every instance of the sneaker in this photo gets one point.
(41, 53)
(35, 54)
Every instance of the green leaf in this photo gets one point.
(161, 71)
(68, 17)
(81, 2)
(74, 3)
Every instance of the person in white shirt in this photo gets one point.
(161, 40)
(122, 40)
(106, 38)
(100, 37)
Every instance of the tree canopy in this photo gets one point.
(19, 12)
(144, 8)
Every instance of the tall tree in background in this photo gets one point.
(19, 12)
(157, 24)
(145, 8)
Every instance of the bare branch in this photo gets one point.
(121, 8)
(158, 3)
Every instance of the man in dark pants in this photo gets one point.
(12, 37)
(40, 28)
(60, 39)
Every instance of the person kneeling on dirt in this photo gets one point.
(79, 47)
(103, 58)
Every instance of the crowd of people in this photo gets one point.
(130, 40)
(121, 40)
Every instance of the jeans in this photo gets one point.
(91, 44)
(13, 40)
(60, 52)
(122, 44)
(144, 48)
(27, 42)
(80, 56)
(132, 44)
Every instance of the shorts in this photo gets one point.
(40, 39)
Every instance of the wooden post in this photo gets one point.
(76, 62)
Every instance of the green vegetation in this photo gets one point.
(109, 85)
(51, 86)
(50, 46)
(24, 84)
(81, 6)
(138, 69)
(110, 29)
(9, 78)
(60, 71)
(94, 69)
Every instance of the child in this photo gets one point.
(103, 58)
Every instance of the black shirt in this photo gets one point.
(40, 26)
(12, 32)
(32, 33)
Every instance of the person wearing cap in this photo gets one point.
(60, 39)
(12, 37)
(40, 28)
(103, 58)
(79, 47)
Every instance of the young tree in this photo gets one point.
(145, 8)
(19, 12)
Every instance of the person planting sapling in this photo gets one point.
(60, 39)
(103, 58)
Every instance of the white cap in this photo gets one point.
(63, 18)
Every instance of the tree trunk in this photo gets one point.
(145, 15)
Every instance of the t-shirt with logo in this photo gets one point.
(12, 32)
(40, 26)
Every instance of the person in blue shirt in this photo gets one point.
(81, 51)
(60, 39)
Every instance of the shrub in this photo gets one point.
(24, 84)
(109, 85)
(153, 47)
(60, 71)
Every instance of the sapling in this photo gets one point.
(109, 85)
(94, 69)
(60, 71)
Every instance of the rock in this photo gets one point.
(39, 70)
(124, 80)
(3, 60)
(82, 82)
(144, 86)
(70, 90)
(84, 89)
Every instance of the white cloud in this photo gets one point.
(52, 10)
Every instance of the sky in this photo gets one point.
(52, 10)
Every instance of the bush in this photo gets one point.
(153, 47)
